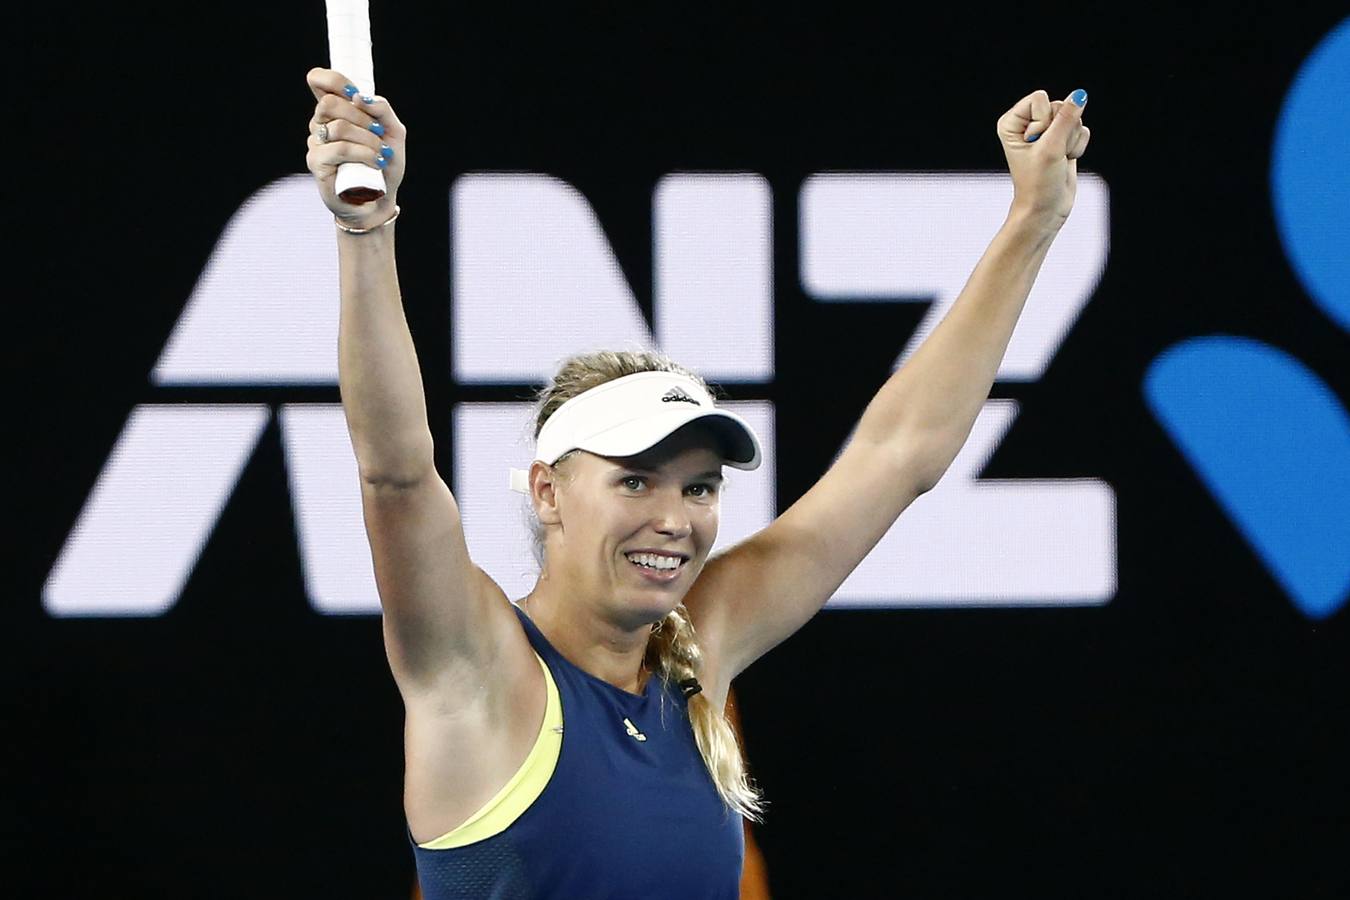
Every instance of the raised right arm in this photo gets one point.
(445, 620)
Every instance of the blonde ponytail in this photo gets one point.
(673, 655)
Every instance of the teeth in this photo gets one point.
(654, 560)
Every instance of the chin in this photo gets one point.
(647, 608)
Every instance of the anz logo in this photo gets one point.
(264, 313)
(1263, 432)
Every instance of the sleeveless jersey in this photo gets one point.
(614, 801)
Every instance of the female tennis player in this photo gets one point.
(574, 744)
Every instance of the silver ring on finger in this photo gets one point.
(322, 132)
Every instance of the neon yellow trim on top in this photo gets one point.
(524, 787)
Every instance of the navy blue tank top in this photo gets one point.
(630, 811)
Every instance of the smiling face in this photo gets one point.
(631, 534)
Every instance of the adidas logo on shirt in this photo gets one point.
(678, 395)
(633, 731)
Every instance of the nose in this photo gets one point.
(671, 518)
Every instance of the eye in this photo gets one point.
(633, 482)
(703, 489)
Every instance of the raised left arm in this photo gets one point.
(755, 594)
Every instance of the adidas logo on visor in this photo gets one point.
(678, 395)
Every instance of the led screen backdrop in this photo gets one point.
(1110, 644)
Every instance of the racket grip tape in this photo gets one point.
(349, 53)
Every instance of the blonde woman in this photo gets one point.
(574, 744)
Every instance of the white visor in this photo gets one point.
(634, 413)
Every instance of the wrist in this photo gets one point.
(1036, 225)
(379, 220)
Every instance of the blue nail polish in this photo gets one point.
(377, 128)
(365, 99)
(386, 151)
(351, 91)
(1079, 97)
(1033, 139)
(381, 162)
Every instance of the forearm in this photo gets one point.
(381, 384)
(929, 406)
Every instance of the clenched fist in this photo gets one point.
(1043, 141)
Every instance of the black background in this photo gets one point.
(1186, 739)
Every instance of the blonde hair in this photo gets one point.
(672, 650)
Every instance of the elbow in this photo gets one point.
(396, 475)
(926, 483)
(392, 480)
(916, 464)
(920, 478)
(927, 455)
(396, 467)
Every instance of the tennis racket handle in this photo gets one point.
(349, 53)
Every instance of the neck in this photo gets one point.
(586, 638)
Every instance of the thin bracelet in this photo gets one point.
(351, 230)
